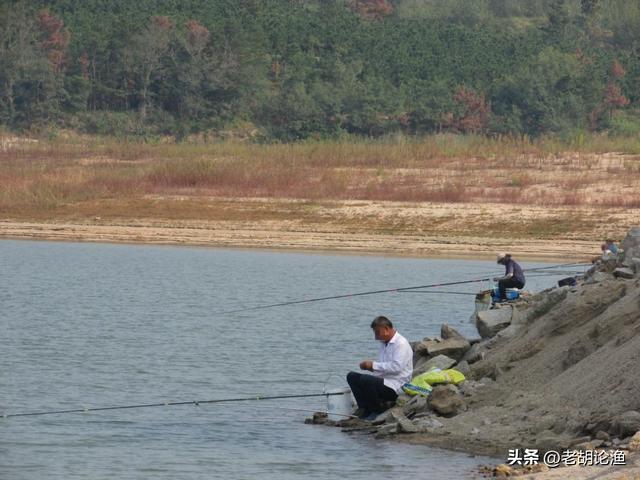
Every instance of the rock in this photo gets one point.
(604, 436)
(446, 400)
(486, 381)
(634, 443)
(428, 424)
(631, 243)
(626, 424)
(424, 365)
(585, 446)
(390, 416)
(547, 440)
(406, 426)
(490, 322)
(476, 352)
(447, 332)
(403, 399)
(451, 347)
(463, 367)
(417, 404)
(469, 387)
(624, 272)
(503, 471)
(542, 303)
(596, 277)
(386, 430)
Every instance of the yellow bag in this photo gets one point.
(422, 384)
(417, 387)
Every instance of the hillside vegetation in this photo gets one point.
(295, 69)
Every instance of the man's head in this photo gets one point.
(502, 258)
(383, 329)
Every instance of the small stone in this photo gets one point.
(627, 423)
(601, 435)
(428, 424)
(417, 404)
(406, 426)
(503, 471)
(624, 272)
(585, 446)
(580, 440)
(634, 443)
(386, 430)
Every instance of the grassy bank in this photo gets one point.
(440, 168)
(82, 178)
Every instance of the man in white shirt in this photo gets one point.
(392, 370)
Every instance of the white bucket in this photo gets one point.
(339, 403)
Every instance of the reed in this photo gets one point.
(48, 174)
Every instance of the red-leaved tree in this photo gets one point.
(475, 109)
(55, 39)
(372, 9)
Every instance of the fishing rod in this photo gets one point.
(168, 404)
(350, 295)
(375, 292)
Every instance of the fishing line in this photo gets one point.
(375, 292)
(168, 404)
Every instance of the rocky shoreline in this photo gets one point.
(555, 371)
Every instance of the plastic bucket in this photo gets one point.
(512, 293)
(339, 403)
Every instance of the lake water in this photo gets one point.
(91, 325)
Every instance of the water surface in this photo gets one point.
(90, 325)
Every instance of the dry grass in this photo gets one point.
(46, 176)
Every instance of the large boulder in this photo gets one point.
(425, 364)
(490, 322)
(446, 400)
(447, 332)
(452, 345)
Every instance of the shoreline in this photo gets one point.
(254, 236)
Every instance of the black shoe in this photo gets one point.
(364, 415)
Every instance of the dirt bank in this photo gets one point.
(393, 228)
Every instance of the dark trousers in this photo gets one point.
(508, 283)
(370, 391)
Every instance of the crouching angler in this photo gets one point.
(513, 275)
(392, 370)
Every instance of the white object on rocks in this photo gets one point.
(339, 403)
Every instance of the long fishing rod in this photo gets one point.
(375, 292)
(167, 404)
(350, 295)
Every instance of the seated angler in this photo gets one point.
(392, 370)
(513, 275)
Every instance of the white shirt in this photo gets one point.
(395, 362)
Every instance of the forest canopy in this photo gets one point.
(284, 70)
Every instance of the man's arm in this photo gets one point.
(400, 358)
(366, 365)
